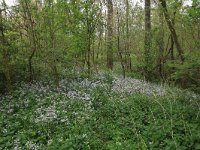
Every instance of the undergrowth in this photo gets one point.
(99, 113)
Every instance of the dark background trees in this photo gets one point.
(157, 40)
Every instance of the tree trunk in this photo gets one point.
(172, 29)
(88, 54)
(55, 74)
(127, 48)
(7, 70)
(110, 34)
(147, 40)
(160, 42)
(88, 43)
(171, 49)
(118, 47)
(6, 64)
(53, 46)
(32, 36)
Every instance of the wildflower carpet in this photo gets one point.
(102, 112)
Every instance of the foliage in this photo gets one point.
(73, 34)
(187, 73)
(88, 114)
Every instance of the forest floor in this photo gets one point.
(105, 111)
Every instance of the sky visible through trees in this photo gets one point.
(186, 2)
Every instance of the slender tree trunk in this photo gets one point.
(7, 71)
(6, 64)
(100, 39)
(128, 65)
(54, 67)
(93, 53)
(147, 40)
(118, 46)
(55, 74)
(32, 36)
(88, 42)
(99, 47)
(171, 49)
(89, 54)
(53, 46)
(172, 29)
(110, 34)
(160, 43)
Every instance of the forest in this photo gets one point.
(100, 74)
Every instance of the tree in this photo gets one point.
(4, 46)
(160, 43)
(29, 25)
(110, 34)
(50, 20)
(147, 40)
(118, 45)
(90, 22)
(172, 29)
(127, 47)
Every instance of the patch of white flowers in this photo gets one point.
(130, 86)
(78, 95)
(45, 114)
(16, 145)
(91, 84)
(52, 103)
(31, 145)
